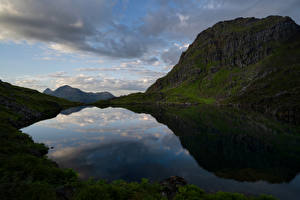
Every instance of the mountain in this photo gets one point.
(245, 62)
(74, 94)
(22, 106)
(21, 158)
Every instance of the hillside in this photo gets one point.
(245, 62)
(74, 94)
(22, 106)
(26, 173)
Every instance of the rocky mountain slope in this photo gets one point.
(74, 94)
(244, 62)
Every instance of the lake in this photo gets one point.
(216, 149)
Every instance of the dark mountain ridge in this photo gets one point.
(237, 43)
(245, 62)
(77, 95)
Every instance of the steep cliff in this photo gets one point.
(245, 62)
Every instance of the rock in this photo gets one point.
(65, 192)
(171, 185)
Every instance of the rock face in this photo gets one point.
(171, 185)
(245, 62)
(74, 94)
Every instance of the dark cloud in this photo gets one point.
(72, 26)
(150, 61)
(93, 26)
(171, 56)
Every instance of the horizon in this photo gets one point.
(120, 47)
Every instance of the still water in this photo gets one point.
(214, 150)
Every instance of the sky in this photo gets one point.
(120, 46)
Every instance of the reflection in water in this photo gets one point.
(211, 148)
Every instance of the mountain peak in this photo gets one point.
(239, 42)
(245, 61)
(48, 91)
(65, 87)
(75, 94)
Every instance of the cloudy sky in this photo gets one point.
(121, 46)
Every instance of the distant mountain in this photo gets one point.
(75, 94)
(21, 106)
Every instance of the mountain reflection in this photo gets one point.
(233, 144)
(214, 148)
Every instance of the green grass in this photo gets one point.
(27, 173)
(187, 92)
(191, 192)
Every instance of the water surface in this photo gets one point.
(214, 150)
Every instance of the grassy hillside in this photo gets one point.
(21, 106)
(27, 173)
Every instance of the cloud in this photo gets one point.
(30, 83)
(126, 69)
(61, 74)
(100, 83)
(75, 26)
(171, 55)
(151, 60)
(88, 83)
(72, 26)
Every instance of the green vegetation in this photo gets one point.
(263, 75)
(32, 99)
(27, 173)
(278, 82)
(120, 190)
(132, 99)
(20, 105)
(191, 192)
(226, 85)
(231, 143)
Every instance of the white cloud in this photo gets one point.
(62, 48)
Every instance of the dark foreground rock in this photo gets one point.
(171, 185)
